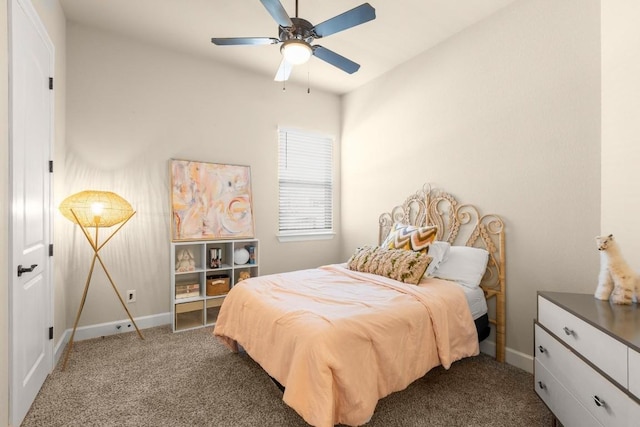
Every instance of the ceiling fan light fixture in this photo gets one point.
(296, 51)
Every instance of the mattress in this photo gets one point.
(476, 300)
(474, 296)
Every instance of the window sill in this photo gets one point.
(300, 237)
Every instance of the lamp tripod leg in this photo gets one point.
(84, 298)
(113, 285)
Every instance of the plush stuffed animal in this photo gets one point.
(244, 275)
(185, 261)
(617, 280)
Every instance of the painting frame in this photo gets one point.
(210, 201)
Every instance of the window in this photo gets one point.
(305, 181)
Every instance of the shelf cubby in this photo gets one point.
(202, 261)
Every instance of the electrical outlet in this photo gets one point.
(123, 327)
(131, 296)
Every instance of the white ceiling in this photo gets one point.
(402, 30)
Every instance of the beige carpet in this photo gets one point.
(190, 379)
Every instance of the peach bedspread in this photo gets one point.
(340, 340)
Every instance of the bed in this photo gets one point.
(462, 225)
(340, 337)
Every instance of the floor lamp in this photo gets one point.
(93, 210)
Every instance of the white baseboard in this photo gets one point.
(59, 347)
(512, 357)
(110, 328)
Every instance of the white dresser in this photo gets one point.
(587, 360)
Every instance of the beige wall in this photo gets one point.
(130, 108)
(505, 115)
(620, 125)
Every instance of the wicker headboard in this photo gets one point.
(460, 224)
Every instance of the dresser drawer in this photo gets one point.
(586, 340)
(607, 403)
(564, 406)
(634, 372)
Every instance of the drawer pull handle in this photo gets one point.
(567, 331)
(542, 349)
(542, 385)
(599, 402)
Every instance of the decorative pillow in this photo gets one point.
(465, 265)
(398, 264)
(410, 237)
(438, 251)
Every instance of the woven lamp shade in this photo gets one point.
(96, 208)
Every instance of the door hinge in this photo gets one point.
(50, 83)
(51, 249)
(51, 333)
(50, 166)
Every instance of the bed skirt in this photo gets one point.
(482, 326)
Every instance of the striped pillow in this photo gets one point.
(410, 238)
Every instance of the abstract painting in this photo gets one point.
(210, 201)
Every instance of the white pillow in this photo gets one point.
(465, 265)
(438, 251)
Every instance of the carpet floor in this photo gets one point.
(190, 379)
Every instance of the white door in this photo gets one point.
(31, 126)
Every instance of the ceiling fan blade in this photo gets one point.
(284, 71)
(277, 11)
(336, 60)
(356, 16)
(232, 41)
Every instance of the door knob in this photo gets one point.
(22, 269)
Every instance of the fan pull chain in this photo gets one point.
(284, 81)
(308, 78)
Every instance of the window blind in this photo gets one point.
(305, 181)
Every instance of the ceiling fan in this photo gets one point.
(297, 34)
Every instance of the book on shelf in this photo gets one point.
(215, 257)
(187, 295)
(187, 290)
